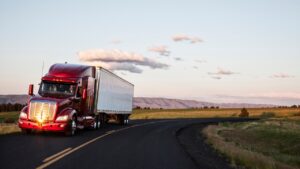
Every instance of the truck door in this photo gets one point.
(90, 95)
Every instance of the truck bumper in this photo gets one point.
(51, 126)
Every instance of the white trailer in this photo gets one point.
(114, 96)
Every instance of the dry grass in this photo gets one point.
(12, 127)
(8, 128)
(210, 113)
(266, 144)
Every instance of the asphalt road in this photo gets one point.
(148, 144)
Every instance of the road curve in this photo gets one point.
(144, 144)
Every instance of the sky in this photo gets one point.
(214, 50)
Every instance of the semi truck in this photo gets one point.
(73, 97)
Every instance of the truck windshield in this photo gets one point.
(57, 89)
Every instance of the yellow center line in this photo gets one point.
(52, 159)
(57, 154)
(110, 132)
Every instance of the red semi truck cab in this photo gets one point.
(68, 99)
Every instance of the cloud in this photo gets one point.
(177, 58)
(162, 50)
(294, 95)
(182, 37)
(282, 76)
(200, 61)
(116, 41)
(119, 60)
(216, 77)
(281, 98)
(221, 72)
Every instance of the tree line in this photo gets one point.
(11, 107)
(205, 107)
(214, 107)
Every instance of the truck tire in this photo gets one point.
(102, 120)
(120, 119)
(123, 119)
(97, 123)
(71, 131)
(126, 119)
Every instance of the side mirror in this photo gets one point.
(84, 94)
(30, 90)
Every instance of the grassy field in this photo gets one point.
(179, 113)
(8, 128)
(211, 113)
(11, 127)
(272, 143)
(9, 116)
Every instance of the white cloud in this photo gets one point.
(282, 76)
(200, 61)
(182, 37)
(216, 77)
(116, 41)
(221, 72)
(162, 50)
(177, 58)
(293, 95)
(119, 60)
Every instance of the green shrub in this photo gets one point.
(244, 113)
(296, 114)
(267, 115)
(9, 120)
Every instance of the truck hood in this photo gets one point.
(61, 103)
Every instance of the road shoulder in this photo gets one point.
(203, 155)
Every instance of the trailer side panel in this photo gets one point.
(115, 94)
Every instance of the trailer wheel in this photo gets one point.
(72, 127)
(123, 119)
(120, 119)
(126, 119)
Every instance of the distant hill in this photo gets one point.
(5, 99)
(184, 104)
(143, 102)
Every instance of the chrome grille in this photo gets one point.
(42, 111)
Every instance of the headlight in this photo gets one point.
(23, 115)
(62, 118)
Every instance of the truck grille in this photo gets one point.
(42, 111)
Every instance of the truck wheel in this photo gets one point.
(96, 123)
(121, 119)
(126, 119)
(26, 131)
(102, 120)
(72, 127)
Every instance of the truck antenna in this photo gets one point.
(43, 69)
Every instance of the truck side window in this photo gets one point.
(79, 92)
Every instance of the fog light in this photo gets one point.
(62, 125)
(23, 115)
(62, 118)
